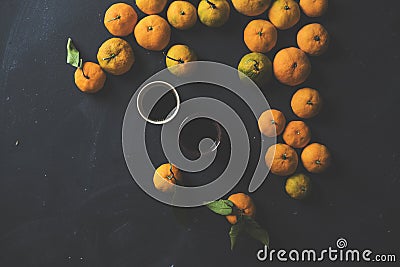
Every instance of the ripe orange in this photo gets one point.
(120, 19)
(316, 158)
(272, 123)
(182, 15)
(291, 66)
(306, 103)
(153, 33)
(251, 8)
(165, 177)
(297, 134)
(260, 36)
(313, 39)
(284, 14)
(151, 7)
(90, 78)
(314, 8)
(244, 207)
(116, 56)
(281, 159)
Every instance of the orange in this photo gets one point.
(151, 7)
(166, 176)
(291, 66)
(272, 123)
(251, 8)
(260, 36)
(90, 78)
(313, 39)
(120, 19)
(314, 8)
(316, 158)
(281, 159)
(284, 14)
(116, 56)
(257, 67)
(153, 33)
(213, 13)
(297, 134)
(182, 15)
(244, 206)
(176, 58)
(298, 186)
(306, 103)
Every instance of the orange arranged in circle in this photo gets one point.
(120, 19)
(306, 103)
(313, 39)
(153, 33)
(165, 177)
(251, 8)
(291, 66)
(151, 7)
(90, 78)
(314, 8)
(182, 15)
(281, 159)
(297, 134)
(284, 14)
(260, 36)
(272, 123)
(244, 206)
(316, 158)
(116, 56)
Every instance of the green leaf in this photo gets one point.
(221, 207)
(256, 231)
(234, 232)
(73, 57)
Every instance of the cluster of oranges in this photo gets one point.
(290, 66)
(282, 158)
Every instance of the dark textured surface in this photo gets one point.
(67, 198)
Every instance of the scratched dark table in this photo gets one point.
(67, 197)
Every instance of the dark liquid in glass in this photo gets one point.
(195, 131)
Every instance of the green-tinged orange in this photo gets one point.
(116, 56)
(284, 14)
(177, 58)
(257, 67)
(298, 186)
(213, 13)
(251, 8)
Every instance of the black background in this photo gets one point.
(67, 198)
